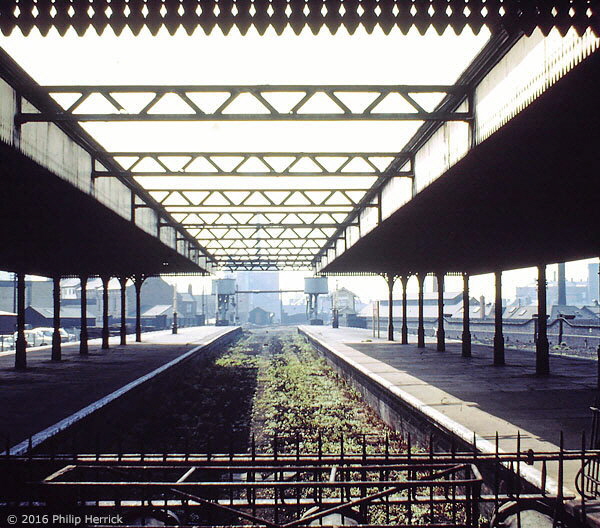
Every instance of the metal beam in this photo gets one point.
(263, 256)
(400, 103)
(296, 251)
(292, 251)
(251, 263)
(336, 197)
(272, 163)
(303, 208)
(207, 240)
(65, 117)
(226, 256)
(267, 219)
(263, 261)
(252, 243)
(269, 291)
(205, 174)
(279, 225)
(268, 267)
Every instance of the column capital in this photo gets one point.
(139, 278)
(390, 277)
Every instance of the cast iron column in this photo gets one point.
(542, 355)
(83, 335)
(498, 335)
(105, 331)
(390, 278)
(21, 344)
(466, 333)
(404, 280)
(441, 334)
(562, 284)
(56, 339)
(123, 330)
(138, 280)
(174, 327)
(421, 327)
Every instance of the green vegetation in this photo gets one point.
(299, 394)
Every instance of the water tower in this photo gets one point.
(313, 287)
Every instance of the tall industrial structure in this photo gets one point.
(265, 286)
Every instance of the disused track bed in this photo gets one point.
(268, 384)
(236, 463)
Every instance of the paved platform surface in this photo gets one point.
(49, 391)
(479, 396)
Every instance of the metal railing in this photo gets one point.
(588, 477)
(290, 481)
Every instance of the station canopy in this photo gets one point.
(263, 128)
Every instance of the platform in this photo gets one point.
(48, 391)
(472, 396)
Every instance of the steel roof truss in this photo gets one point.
(192, 98)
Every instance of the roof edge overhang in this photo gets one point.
(527, 195)
(297, 15)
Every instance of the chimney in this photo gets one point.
(562, 285)
(482, 310)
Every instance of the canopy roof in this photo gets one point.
(273, 207)
(263, 176)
